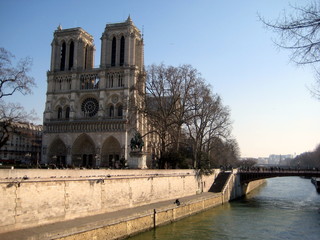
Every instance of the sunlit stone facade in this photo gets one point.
(90, 113)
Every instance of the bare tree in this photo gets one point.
(248, 163)
(208, 121)
(188, 80)
(12, 113)
(13, 79)
(233, 152)
(300, 33)
(307, 159)
(162, 103)
(167, 103)
(224, 153)
(159, 102)
(182, 110)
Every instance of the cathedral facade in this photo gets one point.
(90, 113)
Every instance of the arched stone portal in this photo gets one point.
(57, 153)
(111, 153)
(83, 152)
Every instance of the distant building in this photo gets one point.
(23, 146)
(262, 160)
(277, 159)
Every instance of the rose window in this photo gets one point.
(90, 107)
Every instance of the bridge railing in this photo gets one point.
(278, 170)
(247, 175)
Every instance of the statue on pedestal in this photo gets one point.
(137, 157)
(136, 142)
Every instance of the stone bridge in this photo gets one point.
(256, 174)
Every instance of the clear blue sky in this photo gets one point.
(271, 108)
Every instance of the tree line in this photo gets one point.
(307, 160)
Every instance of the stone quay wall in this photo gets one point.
(36, 197)
(233, 188)
(147, 220)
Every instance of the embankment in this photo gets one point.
(33, 197)
(103, 204)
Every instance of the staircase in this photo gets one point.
(219, 182)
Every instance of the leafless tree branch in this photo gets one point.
(13, 79)
(299, 32)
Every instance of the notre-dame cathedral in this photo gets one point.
(90, 116)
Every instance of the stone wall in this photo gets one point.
(253, 185)
(233, 188)
(33, 197)
(151, 219)
(146, 221)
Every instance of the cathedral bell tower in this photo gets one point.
(88, 117)
(122, 46)
(72, 49)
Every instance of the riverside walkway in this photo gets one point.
(65, 229)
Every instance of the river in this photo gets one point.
(283, 208)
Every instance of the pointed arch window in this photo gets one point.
(67, 112)
(71, 55)
(113, 51)
(122, 45)
(120, 111)
(120, 80)
(111, 111)
(59, 113)
(86, 57)
(111, 81)
(63, 57)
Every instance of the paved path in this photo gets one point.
(65, 228)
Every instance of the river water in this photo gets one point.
(283, 208)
